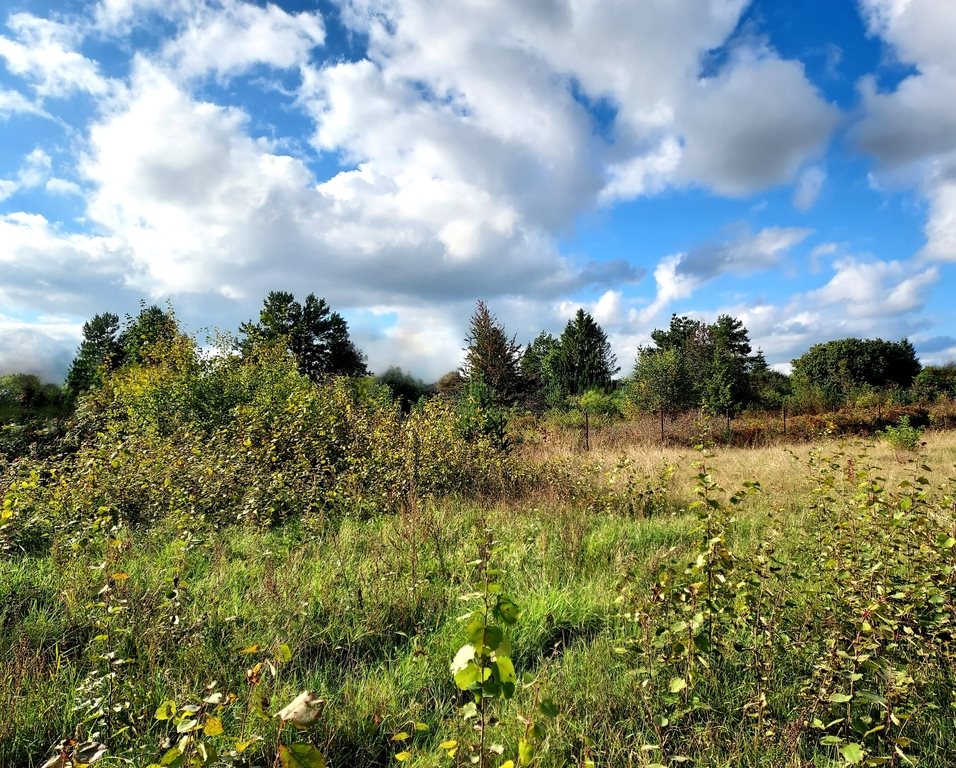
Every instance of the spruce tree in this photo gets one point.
(492, 357)
(583, 359)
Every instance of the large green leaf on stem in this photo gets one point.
(301, 755)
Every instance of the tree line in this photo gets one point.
(691, 364)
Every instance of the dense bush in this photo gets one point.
(222, 439)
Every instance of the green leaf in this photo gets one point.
(871, 697)
(677, 684)
(840, 698)
(468, 677)
(171, 756)
(852, 753)
(464, 657)
(257, 702)
(207, 753)
(473, 628)
(549, 708)
(489, 639)
(507, 610)
(284, 653)
(301, 755)
(506, 676)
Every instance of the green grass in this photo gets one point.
(369, 609)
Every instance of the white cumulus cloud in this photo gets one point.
(911, 130)
(233, 37)
(44, 53)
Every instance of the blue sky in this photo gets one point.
(403, 158)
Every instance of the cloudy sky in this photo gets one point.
(403, 158)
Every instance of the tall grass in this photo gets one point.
(369, 608)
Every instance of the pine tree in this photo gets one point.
(99, 351)
(536, 369)
(314, 335)
(583, 359)
(727, 385)
(492, 357)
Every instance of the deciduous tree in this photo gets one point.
(660, 381)
(538, 373)
(153, 325)
(834, 370)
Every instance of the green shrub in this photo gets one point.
(597, 402)
(904, 436)
(216, 440)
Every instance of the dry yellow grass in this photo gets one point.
(780, 469)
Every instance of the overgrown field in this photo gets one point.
(167, 590)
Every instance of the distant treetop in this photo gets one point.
(317, 337)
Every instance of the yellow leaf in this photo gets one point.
(213, 727)
(254, 648)
(403, 756)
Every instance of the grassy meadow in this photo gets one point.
(808, 622)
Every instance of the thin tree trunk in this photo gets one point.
(662, 426)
